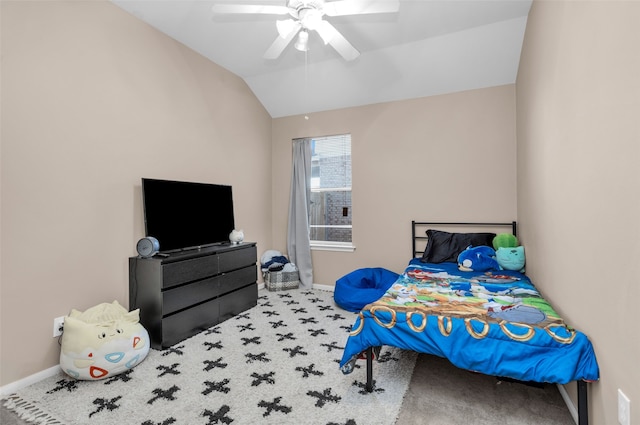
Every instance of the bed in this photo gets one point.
(492, 322)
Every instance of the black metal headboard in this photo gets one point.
(415, 224)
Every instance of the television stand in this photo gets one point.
(182, 293)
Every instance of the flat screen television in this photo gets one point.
(185, 215)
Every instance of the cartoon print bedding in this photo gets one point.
(494, 323)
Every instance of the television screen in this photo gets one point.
(184, 215)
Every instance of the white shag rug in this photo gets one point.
(276, 363)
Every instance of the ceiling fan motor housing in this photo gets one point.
(307, 11)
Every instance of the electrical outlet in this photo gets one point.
(624, 409)
(58, 324)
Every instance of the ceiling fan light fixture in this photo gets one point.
(310, 18)
(303, 41)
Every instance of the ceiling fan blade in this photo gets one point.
(250, 8)
(281, 43)
(331, 35)
(360, 7)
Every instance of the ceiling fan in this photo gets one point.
(308, 16)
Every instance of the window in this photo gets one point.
(330, 210)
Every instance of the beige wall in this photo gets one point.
(578, 103)
(423, 159)
(92, 100)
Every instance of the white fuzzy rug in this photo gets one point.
(274, 364)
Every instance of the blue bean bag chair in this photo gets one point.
(361, 287)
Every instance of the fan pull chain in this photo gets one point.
(306, 80)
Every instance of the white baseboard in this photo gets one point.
(321, 287)
(329, 288)
(569, 403)
(11, 388)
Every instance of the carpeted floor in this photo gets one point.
(441, 394)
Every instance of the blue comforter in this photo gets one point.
(493, 323)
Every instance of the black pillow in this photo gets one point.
(445, 247)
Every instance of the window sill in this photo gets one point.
(328, 246)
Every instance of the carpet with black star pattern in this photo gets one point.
(276, 363)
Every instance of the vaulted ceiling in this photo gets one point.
(428, 47)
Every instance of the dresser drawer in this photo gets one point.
(237, 279)
(181, 297)
(238, 301)
(189, 270)
(237, 259)
(189, 322)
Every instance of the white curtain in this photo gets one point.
(298, 244)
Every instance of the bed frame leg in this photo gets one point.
(583, 408)
(369, 386)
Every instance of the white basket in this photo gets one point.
(280, 281)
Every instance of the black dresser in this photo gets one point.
(186, 292)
